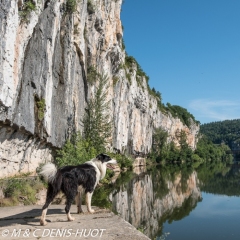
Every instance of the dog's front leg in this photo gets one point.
(88, 202)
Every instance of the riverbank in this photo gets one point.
(22, 222)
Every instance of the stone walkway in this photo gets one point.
(22, 222)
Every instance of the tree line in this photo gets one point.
(227, 131)
(166, 152)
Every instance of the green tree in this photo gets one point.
(181, 113)
(227, 131)
(75, 151)
(159, 141)
(213, 152)
(97, 122)
(97, 125)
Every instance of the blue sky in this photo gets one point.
(191, 51)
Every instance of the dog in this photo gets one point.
(71, 180)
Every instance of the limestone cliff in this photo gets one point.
(46, 48)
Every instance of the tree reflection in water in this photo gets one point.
(166, 193)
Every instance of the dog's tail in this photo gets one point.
(49, 172)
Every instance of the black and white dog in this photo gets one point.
(71, 179)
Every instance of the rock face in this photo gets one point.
(149, 200)
(44, 59)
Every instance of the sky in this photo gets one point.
(190, 49)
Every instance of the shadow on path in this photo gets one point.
(31, 216)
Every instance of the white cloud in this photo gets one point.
(215, 110)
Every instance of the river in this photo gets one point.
(178, 202)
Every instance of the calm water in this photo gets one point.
(179, 202)
(216, 217)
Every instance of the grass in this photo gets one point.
(20, 190)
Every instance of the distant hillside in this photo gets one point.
(227, 131)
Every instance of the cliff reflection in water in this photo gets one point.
(151, 198)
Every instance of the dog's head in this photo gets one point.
(105, 159)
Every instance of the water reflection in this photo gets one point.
(151, 198)
(225, 181)
(164, 194)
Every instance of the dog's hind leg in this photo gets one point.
(67, 209)
(70, 190)
(50, 196)
(78, 200)
(88, 202)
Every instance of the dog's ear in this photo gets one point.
(100, 157)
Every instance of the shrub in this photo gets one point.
(108, 176)
(129, 61)
(123, 160)
(75, 151)
(41, 108)
(20, 190)
(71, 6)
(90, 7)
(27, 8)
(92, 75)
(181, 113)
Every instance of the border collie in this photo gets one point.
(71, 180)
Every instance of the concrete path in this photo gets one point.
(22, 222)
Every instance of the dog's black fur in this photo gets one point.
(67, 179)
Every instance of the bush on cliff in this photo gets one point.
(71, 6)
(20, 190)
(26, 9)
(75, 151)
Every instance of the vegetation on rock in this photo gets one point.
(71, 6)
(92, 75)
(20, 190)
(26, 9)
(41, 108)
(181, 113)
(175, 110)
